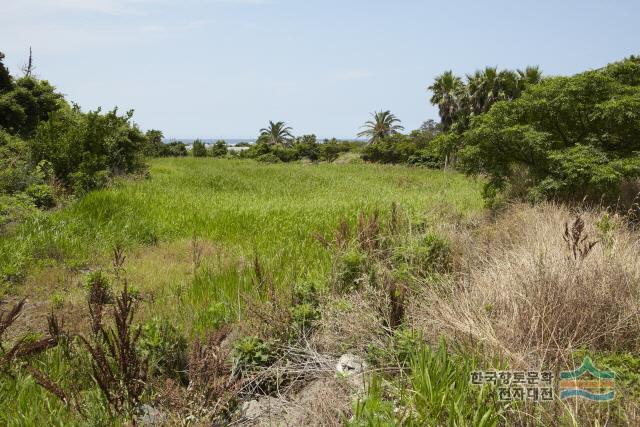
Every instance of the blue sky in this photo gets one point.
(223, 68)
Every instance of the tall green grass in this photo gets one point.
(247, 206)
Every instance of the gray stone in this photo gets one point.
(350, 364)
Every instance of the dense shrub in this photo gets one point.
(304, 147)
(174, 149)
(16, 171)
(565, 138)
(198, 149)
(219, 149)
(42, 195)
(84, 150)
(416, 148)
(268, 158)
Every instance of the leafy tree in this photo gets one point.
(154, 145)
(564, 138)
(382, 125)
(219, 149)
(276, 134)
(6, 82)
(198, 149)
(29, 102)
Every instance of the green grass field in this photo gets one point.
(235, 209)
(244, 206)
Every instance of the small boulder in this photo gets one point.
(350, 364)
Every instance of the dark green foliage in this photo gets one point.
(46, 143)
(6, 82)
(306, 293)
(153, 147)
(84, 150)
(396, 148)
(351, 266)
(565, 138)
(330, 149)
(307, 146)
(174, 149)
(165, 349)
(219, 149)
(417, 148)
(198, 149)
(42, 195)
(425, 255)
(29, 102)
(304, 147)
(16, 171)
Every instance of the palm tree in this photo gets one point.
(485, 88)
(277, 133)
(530, 76)
(383, 124)
(447, 91)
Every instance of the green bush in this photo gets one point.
(14, 209)
(84, 150)
(174, 149)
(42, 195)
(198, 149)
(165, 349)
(219, 149)
(268, 158)
(397, 148)
(307, 146)
(306, 293)
(16, 172)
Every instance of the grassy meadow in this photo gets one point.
(233, 211)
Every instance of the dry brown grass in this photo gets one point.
(352, 322)
(524, 295)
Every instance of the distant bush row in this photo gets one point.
(297, 148)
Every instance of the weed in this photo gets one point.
(576, 242)
(165, 348)
(118, 368)
(250, 353)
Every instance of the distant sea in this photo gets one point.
(229, 141)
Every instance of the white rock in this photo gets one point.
(349, 364)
